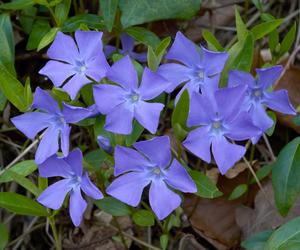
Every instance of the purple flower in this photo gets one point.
(74, 180)
(198, 71)
(76, 63)
(259, 96)
(127, 100)
(219, 118)
(53, 119)
(127, 49)
(104, 144)
(151, 163)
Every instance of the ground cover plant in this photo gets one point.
(149, 124)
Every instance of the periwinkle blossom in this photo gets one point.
(127, 43)
(199, 70)
(259, 96)
(151, 163)
(52, 118)
(220, 120)
(127, 100)
(74, 181)
(75, 64)
(104, 143)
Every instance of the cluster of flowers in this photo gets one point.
(217, 118)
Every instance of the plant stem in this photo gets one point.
(269, 147)
(120, 232)
(55, 234)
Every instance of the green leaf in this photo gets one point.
(95, 158)
(241, 27)
(287, 237)
(142, 11)
(27, 92)
(262, 29)
(262, 173)
(23, 168)
(27, 18)
(113, 206)
(164, 239)
(39, 29)
(205, 187)
(20, 204)
(24, 182)
(180, 114)
(4, 236)
(143, 218)
(238, 191)
(7, 46)
(161, 48)
(288, 40)
(12, 89)
(152, 59)
(90, 20)
(2, 101)
(62, 11)
(109, 10)
(135, 134)
(48, 38)
(286, 175)
(212, 40)
(17, 5)
(257, 241)
(273, 116)
(144, 36)
(258, 4)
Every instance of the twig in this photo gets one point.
(269, 147)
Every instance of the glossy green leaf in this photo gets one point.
(286, 176)
(47, 38)
(143, 218)
(39, 29)
(211, 40)
(262, 173)
(20, 204)
(62, 11)
(141, 11)
(28, 96)
(238, 192)
(109, 10)
(27, 18)
(23, 168)
(152, 59)
(287, 237)
(162, 47)
(257, 241)
(4, 236)
(90, 20)
(95, 158)
(164, 239)
(288, 40)
(273, 116)
(258, 4)
(113, 206)
(241, 28)
(17, 5)
(2, 101)
(144, 36)
(205, 187)
(262, 29)
(137, 130)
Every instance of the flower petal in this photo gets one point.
(109, 49)
(44, 101)
(127, 159)
(65, 139)
(119, 120)
(162, 200)
(31, 123)
(128, 188)
(77, 206)
(225, 153)
(55, 166)
(157, 150)
(108, 96)
(74, 114)
(97, 67)
(260, 118)
(75, 83)
(89, 188)
(141, 57)
(279, 101)
(268, 76)
(152, 85)
(174, 73)
(147, 114)
(237, 77)
(184, 50)
(48, 145)
(242, 128)
(127, 42)
(63, 48)
(213, 62)
(57, 72)
(198, 142)
(54, 195)
(74, 160)
(89, 43)
(124, 73)
(178, 178)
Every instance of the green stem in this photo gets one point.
(55, 234)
